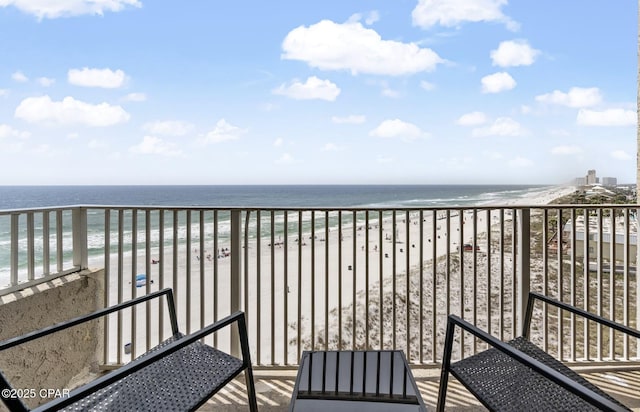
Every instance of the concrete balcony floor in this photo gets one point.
(274, 390)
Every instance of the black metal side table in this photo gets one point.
(355, 381)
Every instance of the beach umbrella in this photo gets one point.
(141, 280)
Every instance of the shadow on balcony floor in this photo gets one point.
(274, 391)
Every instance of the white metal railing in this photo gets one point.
(342, 278)
(36, 245)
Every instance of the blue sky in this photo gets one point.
(297, 92)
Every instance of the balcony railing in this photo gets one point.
(342, 278)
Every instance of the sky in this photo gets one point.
(96, 92)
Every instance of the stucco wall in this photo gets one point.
(51, 362)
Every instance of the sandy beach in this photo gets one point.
(310, 275)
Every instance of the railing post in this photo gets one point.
(637, 262)
(236, 274)
(524, 262)
(15, 223)
(79, 227)
(30, 246)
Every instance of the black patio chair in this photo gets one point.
(519, 376)
(180, 374)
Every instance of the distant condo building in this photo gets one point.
(592, 179)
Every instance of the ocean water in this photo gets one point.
(26, 197)
(19, 197)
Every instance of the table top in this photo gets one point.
(355, 380)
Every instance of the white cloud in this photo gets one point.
(153, 145)
(331, 147)
(105, 78)
(520, 162)
(313, 88)
(278, 142)
(351, 119)
(514, 53)
(502, 126)
(427, 85)
(451, 13)
(222, 132)
(370, 18)
(456, 162)
(168, 127)
(497, 82)
(286, 158)
(7, 131)
(524, 109)
(69, 111)
(46, 81)
(4, 92)
(396, 128)
(575, 97)
(472, 119)
(350, 46)
(135, 97)
(12, 140)
(609, 117)
(566, 150)
(54, 9)
(620, 155)
(19, 77)
(387, 92)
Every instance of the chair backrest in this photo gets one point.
(565, 306)
(13, 402)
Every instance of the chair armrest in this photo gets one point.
(9, 343)
(150, 358)
(565, 306)
(549, 373)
